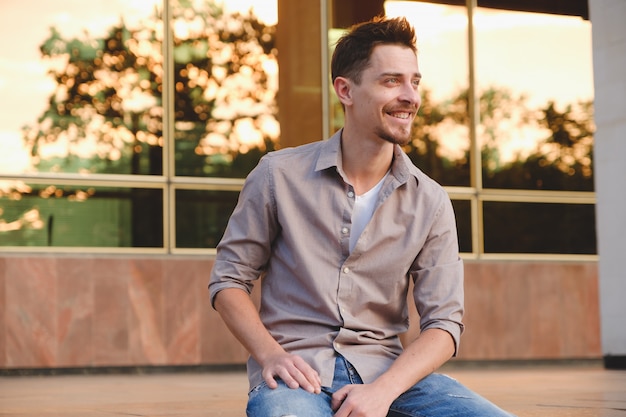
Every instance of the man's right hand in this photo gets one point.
(242, 318)
(293, 370)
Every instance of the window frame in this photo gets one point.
(169, 183)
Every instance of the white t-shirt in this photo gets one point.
(364, 206)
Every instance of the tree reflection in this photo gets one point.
(561, 158)
(226, 78)
(558, 156)
(106, 113)
(107, 109)
(90, 116)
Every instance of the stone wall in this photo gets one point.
(64, 311)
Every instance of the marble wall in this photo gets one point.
(60, 311)
(93, 311)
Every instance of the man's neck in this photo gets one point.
(365, 162)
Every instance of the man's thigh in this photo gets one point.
(439, 395)
(287, 402)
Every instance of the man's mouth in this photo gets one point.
(401, 114)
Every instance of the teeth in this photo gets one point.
(402, 115)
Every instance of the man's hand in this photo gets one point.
(242, 318)
(361, 400)
(294, 372)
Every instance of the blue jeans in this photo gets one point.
(434, 396)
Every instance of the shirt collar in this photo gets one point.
(330, 156)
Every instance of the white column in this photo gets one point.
(609, 62)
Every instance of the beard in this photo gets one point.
(395, 134)
(401, 138)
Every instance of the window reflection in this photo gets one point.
(201, 217)
(226, 80)
(82, 86)
(89, 99)
(539, 228)
(535, 83)
(72, 216)
(463, 214)
(440, 145)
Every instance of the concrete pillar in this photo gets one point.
(609, 61)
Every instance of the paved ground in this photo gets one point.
(554, 391)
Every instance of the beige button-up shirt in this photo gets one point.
(292, 227)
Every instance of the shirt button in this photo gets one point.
(344, 230)
(350, 194)
(346, 270)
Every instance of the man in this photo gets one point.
(337, 229)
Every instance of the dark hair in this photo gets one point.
(354, 48)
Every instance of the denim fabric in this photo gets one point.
(436, 395)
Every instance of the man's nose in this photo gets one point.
(410, 94)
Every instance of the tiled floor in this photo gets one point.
(554, 391)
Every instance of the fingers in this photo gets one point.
(294, 372)
(338, 397)
(306, 376)
(270, 381)
(358, 400)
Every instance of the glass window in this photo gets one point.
(81, 85)
(72, 216)
(463, 213)
(226, 81)
(539, 228)
(201, 216)
(441, 140)
(83, 88)
(535, 84)
(534, 101)
(83, 103)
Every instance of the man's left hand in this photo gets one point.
(361, 400)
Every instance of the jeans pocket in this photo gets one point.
(255, 390)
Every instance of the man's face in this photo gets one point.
(387, 99)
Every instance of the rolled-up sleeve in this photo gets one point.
(245, 247)
(438, 277)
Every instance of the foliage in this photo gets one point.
(106, 115)
(561, 159)
(107, 108)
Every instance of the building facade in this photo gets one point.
(543, 279)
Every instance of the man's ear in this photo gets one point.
(343, 89)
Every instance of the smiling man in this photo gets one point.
(337, 229)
